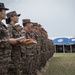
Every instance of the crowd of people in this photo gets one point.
(16, 56)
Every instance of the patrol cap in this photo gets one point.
(39, 25)
(12, 13)
(3, 7)
(35, 24)
(43, 29)
(26, 21)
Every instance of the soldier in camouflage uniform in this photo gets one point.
(38, 46)
(29, 65)
(44, 34)
(15, 68)
(51, 47)
(5, 41)
(44, 44)
(43, 48)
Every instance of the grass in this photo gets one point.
(61, 64)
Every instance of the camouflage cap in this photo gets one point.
(12, 13)
(39, 25)
(26, 21)
(44, 30)
(35, 24)
(3, 7)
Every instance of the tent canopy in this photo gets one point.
(61, 41)
(72, 41)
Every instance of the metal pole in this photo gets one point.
(71, 48)
(63, 49)
(55, 48)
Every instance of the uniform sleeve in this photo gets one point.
(10, 32)
(23, 33)
(2, 34)
(3, 38)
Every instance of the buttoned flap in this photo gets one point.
(4, 33)
(15, 34)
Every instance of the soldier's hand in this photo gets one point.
(13, 41)
(23, 40)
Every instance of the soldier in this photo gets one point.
(29, 68)
(43, 52)
(15, 68)
(51, 47)
(49, 44)
(5, 41)
(45, 36)
(38, 46)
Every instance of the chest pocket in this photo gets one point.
(4, 33)
(16, 34)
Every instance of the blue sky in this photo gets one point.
(56, 16)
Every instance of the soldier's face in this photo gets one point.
(31, 30)
(35, 27)
(39, 28)
(29, 25)
(15, 19)
(3, 14)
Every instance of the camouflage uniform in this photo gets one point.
(43, 52)
(51, 47)
(38, 49)
(44, 48)
(47, 49)
(5, 49)
(34, 49)
(18, 28)
(38, 37)
(15, 68)
(16, 50)
(29, 64)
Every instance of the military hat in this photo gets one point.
(35, 24)
(26, 21)
(44, 30)
(39, 25)
(3, 7)
(12, 13)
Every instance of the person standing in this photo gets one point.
(5, 41)
(15, 66)
(29, 65)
